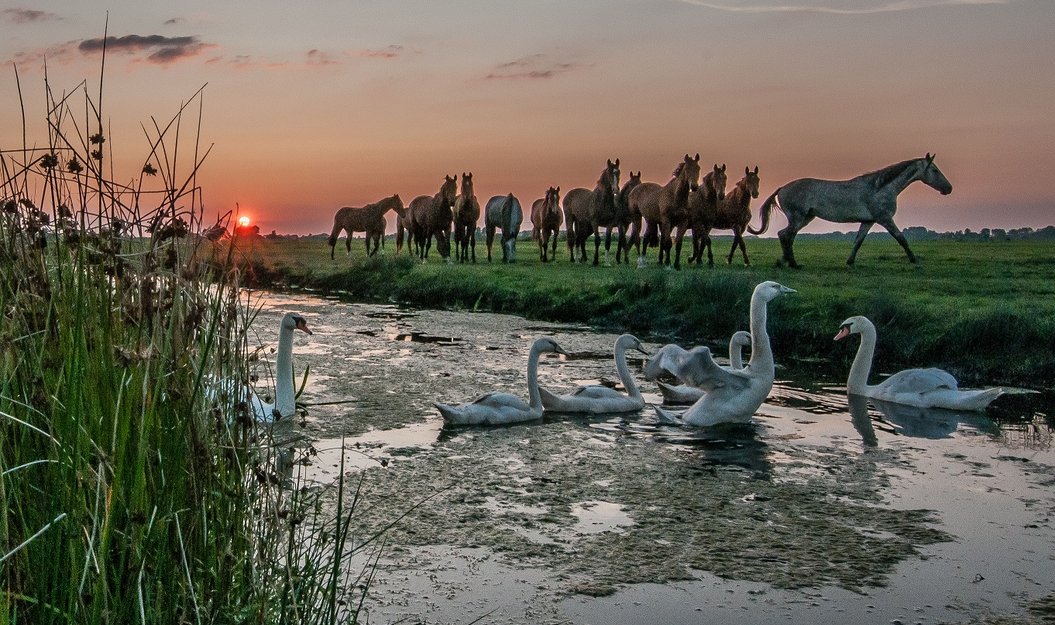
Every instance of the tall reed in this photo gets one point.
(131, 491)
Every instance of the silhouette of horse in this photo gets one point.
(369, 219)
(503, 211)
(666, 208)
(623, 218)
(585, 211)
(733, 212)
(702, 205)
(546, 218)
(869, 199)
(466, 216)
(431, 216)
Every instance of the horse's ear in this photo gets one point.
(617, 162)
(930, 157)
(747, 170)
(558, 188)
(697, 159)
(723, 166)
(756, 169)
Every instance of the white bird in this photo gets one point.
(686, 394)
(731, 396)
(285, 405)
(496, 408)
(924, 388)
(598, 399)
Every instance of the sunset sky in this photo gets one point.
(316, 105)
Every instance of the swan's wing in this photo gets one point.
(698, 368)
(664, 359)
(919, 381)
(596, 391)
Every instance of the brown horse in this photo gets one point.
(585, 211)
(369, 219)
(623, 217)
(546, 219)
(466, 216)
(431, 216)
(732, 213)
(703, 205)
(666, 209)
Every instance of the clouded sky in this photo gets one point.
(316, 105)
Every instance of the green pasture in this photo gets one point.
(983, 310)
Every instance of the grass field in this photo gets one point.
(985, 311)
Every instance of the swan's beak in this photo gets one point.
(844, 332)
(787, 289)
(303, 326)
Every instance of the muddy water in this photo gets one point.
(820, 512)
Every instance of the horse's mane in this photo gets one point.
(886, 175)
(677, 170)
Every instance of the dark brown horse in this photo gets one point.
(586, 211)
(732, 213)
(666, 210)
(703, 205)
(623, 218)
(466, 216)
(546, 219)
(369, 219)
(430, 217)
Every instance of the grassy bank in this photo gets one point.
(985, 311)
(131, 489)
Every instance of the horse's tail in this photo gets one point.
(332, 241)
(763, 212)
(399, 235)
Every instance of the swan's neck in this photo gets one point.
(857, 383)
(736, 355)
(534, 396)
(284, 396)
(761, 352)
(624, 373)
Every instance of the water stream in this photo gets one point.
(819, 512)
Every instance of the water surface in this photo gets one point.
(819, 510)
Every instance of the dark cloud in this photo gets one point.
(25, 16)
(534, 67)
(388, 52)
(318, 57)
(174, 21)
(161, 50)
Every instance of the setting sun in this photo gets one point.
(243, 221)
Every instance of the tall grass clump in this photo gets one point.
(131, 490)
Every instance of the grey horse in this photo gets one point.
(503, 211)
(869, 199)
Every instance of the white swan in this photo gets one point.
(598, 399)
(496, 408)
(285, 405)
(731, 396)
(924, 388)
(686, 394)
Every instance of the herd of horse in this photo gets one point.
(641, 214)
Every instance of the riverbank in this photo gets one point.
(984, 311)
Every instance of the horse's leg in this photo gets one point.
(348, 244)
(900, 238)
(490, 232)
(596, 244)
(677, 248)
(862, 233)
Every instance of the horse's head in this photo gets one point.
(467, 185)
(716, 180)
(449, 190)
(932, 176)
(396, 204)
(628, 186)
(443, 242)
(690, 170)
(610, 177)
(749, 183)
(551, 202)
